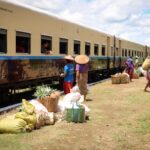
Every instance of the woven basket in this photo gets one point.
(146, 63)
(50, 102)
(135, 76)
(115, 79)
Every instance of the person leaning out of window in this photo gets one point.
(45, 49)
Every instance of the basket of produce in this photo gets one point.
(48, 97)
(116, 79)
(146, 63)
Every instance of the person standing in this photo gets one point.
(68, 74)
(82, 73)
(148, 80)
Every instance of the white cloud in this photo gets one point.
(129, 19)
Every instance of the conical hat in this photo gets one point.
(69, 57)
(82, 59)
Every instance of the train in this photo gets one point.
(33, 44)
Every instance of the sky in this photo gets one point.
(127, 19)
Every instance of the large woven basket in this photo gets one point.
(115, 79)
(146, 63)
(50, 102)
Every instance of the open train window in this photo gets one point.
(103, 50)
(95, 49)
(87, 48)
(76, 47)
(63, 46)
(112, 51)
(117, 51)
(129, 53)
(123, 52)
(46, 44)
(3, 41)
(132, 53)
(23, 42)
(126, 52)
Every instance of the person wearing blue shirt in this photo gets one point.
(68, 74)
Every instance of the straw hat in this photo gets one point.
(82, 59)
(69, 57)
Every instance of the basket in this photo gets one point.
(50, 102)
(115, 79)
(135, 76)
(146, 63)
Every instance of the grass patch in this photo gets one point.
(144, 124)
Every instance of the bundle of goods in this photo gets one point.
(75, 114)
(146, 63)
(124, 77)
(20, 122)
(135, 76)
(116, 79)
(73, 108)
(48, 97)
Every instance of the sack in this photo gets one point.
(27, 107)
(75, 114)
(30, 119)
(146, 63)
(11, 125)
(125, 78)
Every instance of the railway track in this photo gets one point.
(13, 106)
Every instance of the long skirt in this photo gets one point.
(82, 83)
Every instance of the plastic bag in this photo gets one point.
(11, 125)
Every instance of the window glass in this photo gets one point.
(3, 41)
(96, 49)
(46, 44)
(103, 50)
(23, 42)
(63, 46)
(76, 47)
(87, 48)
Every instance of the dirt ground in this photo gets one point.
(119, 120)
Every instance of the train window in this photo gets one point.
(23, 42)
(117, 51)
(95, 49)
(135, 53)
(132, 54)
(76, 47)
(63, 46)
(3, 41)
(129, 53)
(46, 44)
(103, 50)
(122, 52)
(112, 51)
(125, 52)
(87, 48)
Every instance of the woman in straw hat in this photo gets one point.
(68, 74)
(82, 73)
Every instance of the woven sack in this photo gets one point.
(115, 79)
(146, 63)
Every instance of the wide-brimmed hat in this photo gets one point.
(69, 57)
(82, 59)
